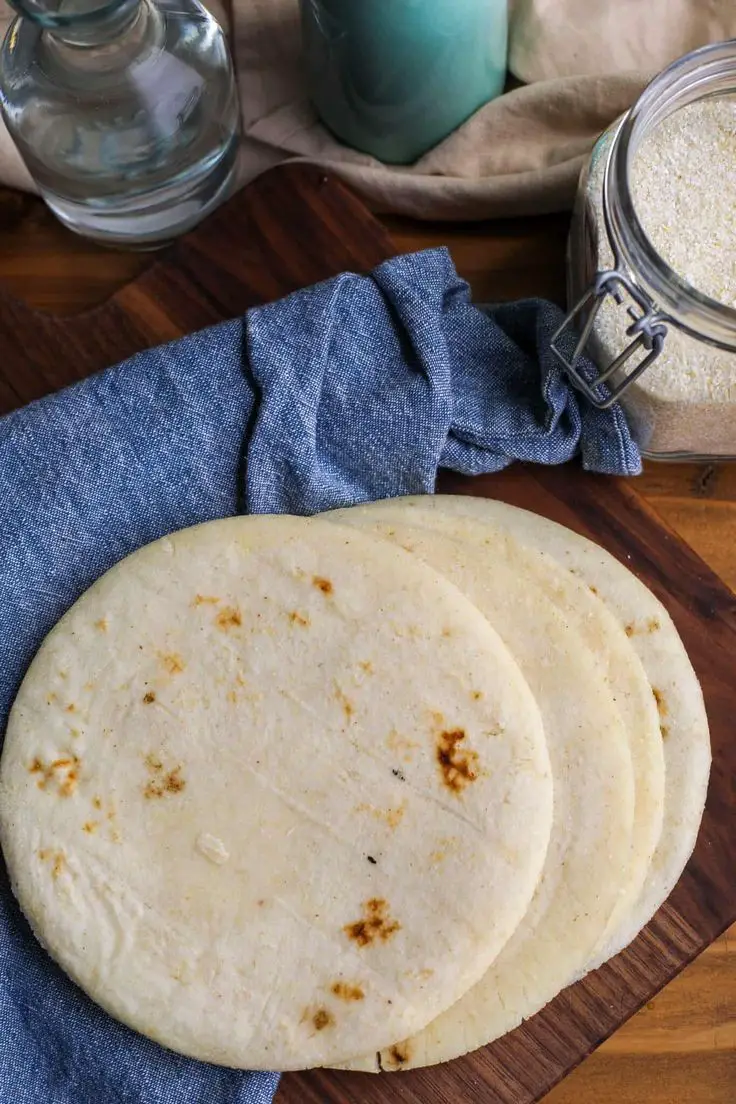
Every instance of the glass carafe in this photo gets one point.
(124, 112)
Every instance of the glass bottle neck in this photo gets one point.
(81, 23)
(708, 72)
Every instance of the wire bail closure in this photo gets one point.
(648, 330)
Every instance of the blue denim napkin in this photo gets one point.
(358, 388)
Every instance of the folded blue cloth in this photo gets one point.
(356, 389)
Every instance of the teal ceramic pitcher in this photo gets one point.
(394, 77)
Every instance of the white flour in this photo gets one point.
(684, 191)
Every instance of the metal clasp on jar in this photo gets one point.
(648, 331)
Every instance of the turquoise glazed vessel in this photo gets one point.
(394, 77)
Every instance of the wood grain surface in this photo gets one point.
(292, 229)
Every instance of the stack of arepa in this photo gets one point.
(365, 790)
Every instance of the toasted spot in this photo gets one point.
(173, 782)
(375, 925)
(170, 783)
(172, 662)
(400, 1054)
(344, 991)
(446, 632)
(51, 699)
(71, 708)
(477, 695)
(366, 666)
(322, 584)
(371, 859)
(149, 698)
(101, 624)
(398, 774)
(664, 731)
(347, 706)
(57, 858)
(205, 600)
(163, 781)
(322, 1019)
(74, 733)
(297, 618)
(229, 618)
(650, 626)
(69, 785)
(447, 845)
(458, 765)
(232, 697)
(63, 773)
(592, 589)
(402, 745)
(97, 802)
(661, 703)
(90, 826)
(391, 816)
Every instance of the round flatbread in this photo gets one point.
(618, 663)
(589, 852)
(254, 797)
(674, 684)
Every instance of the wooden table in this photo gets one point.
(682, 1046)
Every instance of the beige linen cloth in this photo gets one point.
(583, 62)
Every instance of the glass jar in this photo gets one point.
(662, 347)
(394, 77)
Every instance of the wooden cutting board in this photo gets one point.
(296, 226)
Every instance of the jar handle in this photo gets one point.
(648, 330)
